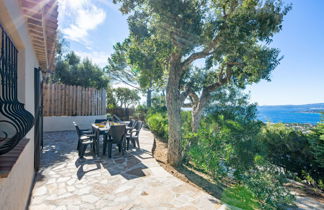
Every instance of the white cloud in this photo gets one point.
(78, 18)
(97, 57)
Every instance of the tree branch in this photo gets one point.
(194, 97)
(210, 48)
(222, 79)
(202, 54)
(125, 82)
(185, 93)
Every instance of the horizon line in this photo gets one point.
(292, 104)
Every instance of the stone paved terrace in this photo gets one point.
(133, 181)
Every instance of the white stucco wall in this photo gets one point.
(15, 189)
(65, 123)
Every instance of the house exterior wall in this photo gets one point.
(15, 189)
(65, 123)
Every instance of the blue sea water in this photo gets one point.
(287, 115)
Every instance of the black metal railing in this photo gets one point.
(15, 121)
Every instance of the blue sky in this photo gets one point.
(93, 26)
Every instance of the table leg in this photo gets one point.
(104, 144)
(97, 145)
(109, 149)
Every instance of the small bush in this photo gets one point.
(316, 140)
(240, 196)
(158, 124)
(295, 151)
(229, 148)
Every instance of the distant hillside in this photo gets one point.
(314, 108)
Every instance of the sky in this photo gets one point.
(92, 27)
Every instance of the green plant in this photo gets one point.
(227, 146)
(71, 70)
(125, 97)
(316, 140)
(140, 112)
(294, 151)
(158, 124)
(240, 196)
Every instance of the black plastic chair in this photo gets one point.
(84, 140)
(133, 136)
(83, 131)
(130, 126)
(117, 135)
(131, 123)
(116, 119)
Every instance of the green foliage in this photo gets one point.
(158, 124)
(158, 101)
(227, 146)
(135, 67)
(186, 119)
(286, 147)
(294, 150)
(266, 181)
(71, 70)
(126, 97)
(232, 38)
(317, 143)
(111, 101)
(140, 112)
(240, 196)
(230, 144)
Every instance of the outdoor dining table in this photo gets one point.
(103, 129)
(100, 129)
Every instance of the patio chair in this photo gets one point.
(133, 136)
(116, 135)
(83, 131)
(131, 124)
(84, 140)
(116, 119)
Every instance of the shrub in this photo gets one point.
(286, 147)
(240, 196)
(316, 140)
(295, 151)
(225, 147)
(266, 181)
(186, 121)
(158, 124)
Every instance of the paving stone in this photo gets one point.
(40, 191)
(63, 179)
(133, 181)
(89, 198)
(60, 208)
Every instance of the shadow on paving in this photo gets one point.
(57, 147)
(60, 147)
(129, 166)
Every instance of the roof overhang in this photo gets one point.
(41, 19)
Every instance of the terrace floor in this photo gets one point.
(133, 181)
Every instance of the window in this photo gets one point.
(15, 121)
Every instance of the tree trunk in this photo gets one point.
(149, 98)
(196, 115)
(197, 111)
(173, 102)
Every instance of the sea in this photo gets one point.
(305, 114)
